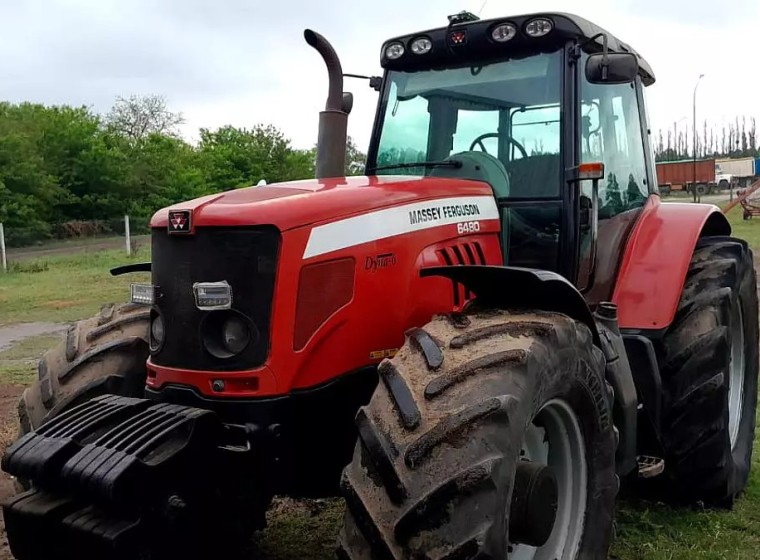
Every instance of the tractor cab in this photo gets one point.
(521, 103)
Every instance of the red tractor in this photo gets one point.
(476, 344)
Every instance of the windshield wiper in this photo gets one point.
(445, 163)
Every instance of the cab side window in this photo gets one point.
(612, 133)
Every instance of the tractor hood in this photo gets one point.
(300, 203)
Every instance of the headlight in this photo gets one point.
(212, 295)
(227, 334)
(539, 27)
(503, 32)
(235, 335)
(394, 50)
(421, 45)
(157, 333)
(142, 294)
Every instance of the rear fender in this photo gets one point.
(515, 288)
(656, 259)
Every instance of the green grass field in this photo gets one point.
(65, 288)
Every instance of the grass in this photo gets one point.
(62, 288)
(649, 530)
(300, 530)
(745, 229)
(65, 288)
(18, 364)
(30, 348)
(18, 372)
(74, 243)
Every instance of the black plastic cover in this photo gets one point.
(246, 258)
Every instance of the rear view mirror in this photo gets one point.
(614, 68)
(348, 102)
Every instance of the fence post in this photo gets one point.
(126, 235)
(2, 248)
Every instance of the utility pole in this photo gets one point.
(694, 184)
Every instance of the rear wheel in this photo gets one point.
(489, 436)
(709, 367)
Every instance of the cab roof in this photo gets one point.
(478, 45)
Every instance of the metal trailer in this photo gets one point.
(680, 175)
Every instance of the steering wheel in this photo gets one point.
(479, 140)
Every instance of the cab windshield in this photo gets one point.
(508, 109)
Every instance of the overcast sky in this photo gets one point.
(243, 62)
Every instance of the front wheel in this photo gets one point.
(489, 436)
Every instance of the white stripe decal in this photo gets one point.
(398, 220)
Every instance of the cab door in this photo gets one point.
(612, 120)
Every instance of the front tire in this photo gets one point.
(709, 368)
(444, 442)
(103, 354)
(107, 354)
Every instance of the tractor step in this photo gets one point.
(649, 467)
(110, 475)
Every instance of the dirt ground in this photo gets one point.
(9, 395)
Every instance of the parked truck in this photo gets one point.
(681, 175)
(740, 171)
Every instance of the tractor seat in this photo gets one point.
(535, 176)
(477, 166)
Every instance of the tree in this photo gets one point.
(137, 117)
(355, 159)
(238, 157)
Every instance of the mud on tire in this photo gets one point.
(433, 471)
(718, 309)
(103, 354)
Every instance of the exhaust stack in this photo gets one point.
(333, 121)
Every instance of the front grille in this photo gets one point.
(245, 257)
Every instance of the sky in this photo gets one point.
(243, 62)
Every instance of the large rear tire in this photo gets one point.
(464, 408)
(709, 368)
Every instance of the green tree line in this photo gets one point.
(68, 171)
(731, 140)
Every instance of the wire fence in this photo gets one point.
(41, 233)
(15, 239)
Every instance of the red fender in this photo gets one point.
(656, 260)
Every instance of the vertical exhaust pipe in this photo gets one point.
(333, 121)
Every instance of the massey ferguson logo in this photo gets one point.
(179, 221)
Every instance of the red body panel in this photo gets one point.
(386, 301)
(655, 262)
(300, 203)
